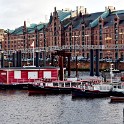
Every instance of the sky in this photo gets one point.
(13, 13)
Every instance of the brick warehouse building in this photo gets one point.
(66, 27)
(1, 37)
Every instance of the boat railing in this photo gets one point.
(58, 83)
(29, 81)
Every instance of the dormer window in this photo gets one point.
(83, 27)
(115, 25)
(100, 21)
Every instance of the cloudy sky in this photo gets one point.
(14, 12)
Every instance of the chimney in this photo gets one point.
(85, 10)
(77, 11)
(111, 8)
(54, 9)
(25, 24)
(24, 28)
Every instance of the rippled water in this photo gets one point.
(16, 107)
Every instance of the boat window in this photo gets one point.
(119, 87)
(79, 83)
(61, 84)
(73, 84)
(55, 84)
(67, 84)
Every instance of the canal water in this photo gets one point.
(16, 107)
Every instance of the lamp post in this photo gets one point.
(91, 55)
(122, 42)
(8, 34)
(111, 72)
(37, 45)
(116, 50)
(24, 41)
(116, 41)
(75, 55)
(44, 55)
(75, 36)
(76, 67)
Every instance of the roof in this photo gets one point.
(67, 22)
(18, 31)
(103, 15)
(30, 29)
(63, 14)
(77, 23)
(110, 19)
(87, 18)
(30, 68)
(91, 20)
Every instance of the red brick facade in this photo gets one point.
(109, 30)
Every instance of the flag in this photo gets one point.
(32, 45)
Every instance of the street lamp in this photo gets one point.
(111, 72)
(8, 35)
(74, 44)
(108, 51)
(76, 67)
(122, 38)
(44, 56)
(116, 50)
(91, 56)
(75, 55)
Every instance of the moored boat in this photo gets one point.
(54, 87)
(22, 77)
(15, 86)
(116, 99)
(98, 91)
(57, 87)
(95, 91)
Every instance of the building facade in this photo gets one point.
(1, 37)
(72, 29)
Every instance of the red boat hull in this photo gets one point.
(116, 99)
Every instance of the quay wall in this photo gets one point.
(81, 65)
(102, 65)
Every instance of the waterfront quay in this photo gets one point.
(85, 65)
(82, 65)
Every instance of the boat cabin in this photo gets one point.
(28, 74)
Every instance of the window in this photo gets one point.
(83, 27)
(17, 74)
(115, 25)
(47, 74)
(32, 75)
